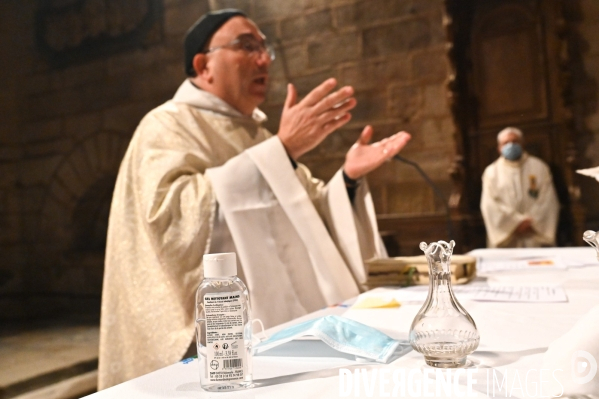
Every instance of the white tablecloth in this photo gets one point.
(514, 337)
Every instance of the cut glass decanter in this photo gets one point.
(442, 331)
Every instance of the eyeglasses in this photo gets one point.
(249, 44)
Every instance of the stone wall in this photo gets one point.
(73, 96)
(393, 52)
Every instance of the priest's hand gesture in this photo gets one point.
(307, 123)
(363, 157)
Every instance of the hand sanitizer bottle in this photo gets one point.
(223, 327)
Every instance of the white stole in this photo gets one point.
(289, 259)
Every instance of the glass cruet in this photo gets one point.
(591, 238)
(442, 330)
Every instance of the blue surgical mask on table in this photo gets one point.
(511, 151)
(341, 334)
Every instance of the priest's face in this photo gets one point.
(238, 65)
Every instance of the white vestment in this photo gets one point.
(514, 191)
(199, 177)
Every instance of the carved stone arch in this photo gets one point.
(74, 216)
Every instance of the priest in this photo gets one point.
(518, 203)
(201, 175)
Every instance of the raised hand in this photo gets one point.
(306, 124)
(363, 158)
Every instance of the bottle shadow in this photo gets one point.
(491, 359)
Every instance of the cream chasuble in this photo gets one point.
(199, 177)
(513, 191)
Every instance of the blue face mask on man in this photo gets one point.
(341, 334)
(511, 151)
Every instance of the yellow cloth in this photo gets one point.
(376, 303)
(165, 215)
(513, 191)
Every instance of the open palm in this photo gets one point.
(363, 157)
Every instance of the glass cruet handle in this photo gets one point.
(591, 238)
(445, 249)
(438, 255)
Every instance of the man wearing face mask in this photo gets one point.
(518, 203)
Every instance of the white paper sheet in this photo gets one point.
(529, 263)
(578, 263)
(533, 293)
(483, 292)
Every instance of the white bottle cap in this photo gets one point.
(220, 265)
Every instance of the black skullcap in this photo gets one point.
(198, 35)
